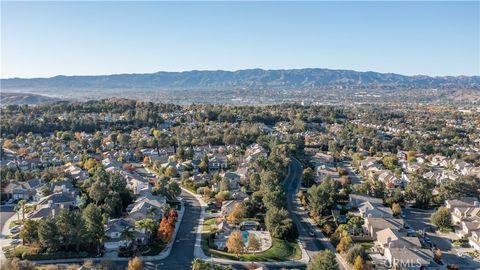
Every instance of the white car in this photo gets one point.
(15, 242)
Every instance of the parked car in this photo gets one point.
(15, 229)
(15, 242)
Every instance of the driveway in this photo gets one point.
(354, 178)
(6, 211)
(419, 219)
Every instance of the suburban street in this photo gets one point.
(181, 254)
(6, 211)
(304, 224)
(418, 219)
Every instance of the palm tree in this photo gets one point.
(151, 211)
(21, 205)
(17, 209)
(128, 235)
(148, 225)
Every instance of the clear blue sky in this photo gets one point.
(85, 38)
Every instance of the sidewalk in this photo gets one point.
(198, 251)
(5, 232)
(162, 255)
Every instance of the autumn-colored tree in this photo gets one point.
(34, 248)
(135, 264)
(172, 216)
(146, 160)
(238, 212)
(358, 265)
(396, 209)
(437, 255)
(344, 244)
(165, 230)
(235, 243)
(128, 167)
(253, 243)
(89, 164)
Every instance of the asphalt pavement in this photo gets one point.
(6, 211)
(312, 245)
(419, 219)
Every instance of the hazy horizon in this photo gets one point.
(234, 70)
(47, 39)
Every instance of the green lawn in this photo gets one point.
(14, 251)
(281, 250)
(366, 245)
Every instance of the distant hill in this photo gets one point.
(24, 98)
(249, 79)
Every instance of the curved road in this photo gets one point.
(181, 255)
(304, 224)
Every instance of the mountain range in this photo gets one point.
(245, 79)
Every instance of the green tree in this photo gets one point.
(113, 204)
(98, 191)
(308, 178)
(278, 223)
(29, 231)
(323, 260)
(21, 205)
(420, 191)
(466, 186)
(147, 224)
(198, 264)
(71, 228)
(442, 218)
(92, 217)
(319, 199)
(354, 252)
(254, 182)
(173, 190)
(48, 234)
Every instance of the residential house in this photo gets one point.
(469, 225)
(114, 233)
(374, 224)
(369, 206)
